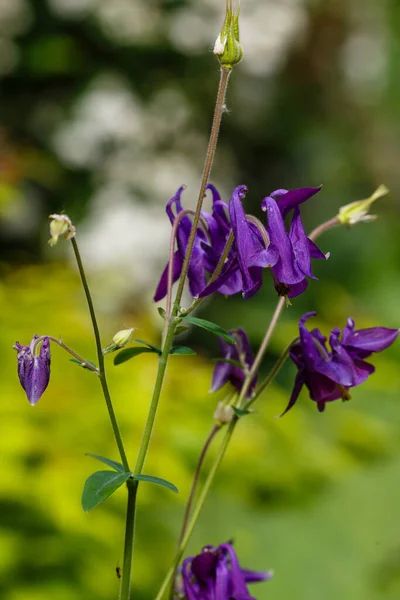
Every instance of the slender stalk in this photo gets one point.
(192, 494)
(217, 271)
(272, 374)
(60, 343)
(207, 485)
(162, 365)
(193, 489)
(124, 592)
(100, 357)
(212, 144)
(324, 227)
(261, 351)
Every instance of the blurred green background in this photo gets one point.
(105, 109)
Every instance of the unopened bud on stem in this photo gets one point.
(357, 212)
(223, 413)
(120, 339)
(227, 46)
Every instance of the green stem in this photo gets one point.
(207, 485)
(100, 358)
(162, 365)
(261, 351)
(195, 481)
(272, 374)
(125, 588)
(212, 144)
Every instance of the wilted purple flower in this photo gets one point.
(242, 354)
(329, 374)
(215, 574)
(34, 369)
(196, 272)
(295, 249)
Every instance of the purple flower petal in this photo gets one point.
(244, 242)
(287, 200)
(162, 287)
(285, 269)
(372, 339)
(300, 245)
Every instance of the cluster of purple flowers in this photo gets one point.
(287, 254)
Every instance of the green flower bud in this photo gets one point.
(227, 46)
(60, 225)
(120, 339)
(357, 212)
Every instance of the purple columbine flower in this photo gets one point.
(215, 574)
(34, 369)
(251, 252)
(330, 373)
(295, 249)
(242, 354)
(196, 272)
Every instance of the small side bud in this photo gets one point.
(60, 225)
(120, 339)
(227, 47)
(223, 413)
(357, 212)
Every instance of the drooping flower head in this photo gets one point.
(234, 372)
(215, 574)
(287, 254)
(330, 373)
(295, 249)
(34, 368)
(250, 253)
(198, 259)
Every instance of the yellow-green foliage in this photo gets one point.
(311, 495)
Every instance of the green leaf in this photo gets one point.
(162, 312)
(99, 486)
(181, 350)
(107, 461)
(78, 362)
(240, 412)
(157, 481)
(229, 361)
(211, 327)
(149, 345)
(129, 353)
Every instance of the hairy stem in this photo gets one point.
(60, 343)
(261, 350)
(324, 227)
(212, 144)
(272, 374)
(195, 481)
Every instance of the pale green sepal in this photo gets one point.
(357, 212)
